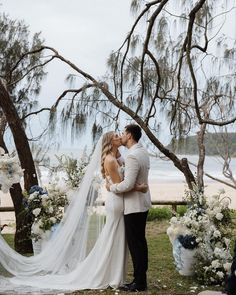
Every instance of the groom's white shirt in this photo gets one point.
(137, 166)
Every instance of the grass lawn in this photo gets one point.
(163, 279)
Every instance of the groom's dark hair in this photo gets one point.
(134, 130)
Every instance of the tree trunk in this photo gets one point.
(202, 154)
(22, 240)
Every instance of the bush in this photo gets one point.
(159, 213)
(181, 209)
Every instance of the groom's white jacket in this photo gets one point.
(136, 171)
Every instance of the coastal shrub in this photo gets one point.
(159, 213)
(181, 209)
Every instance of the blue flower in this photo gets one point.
(36, 188)
(188, 241)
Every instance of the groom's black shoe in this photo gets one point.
(133, 287)
(126, 286)
(123, 288)
(137, 287)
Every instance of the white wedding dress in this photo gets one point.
(103, 266)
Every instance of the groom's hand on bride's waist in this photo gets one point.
(141, 187)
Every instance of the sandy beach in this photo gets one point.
(175, 191)
(160, 190)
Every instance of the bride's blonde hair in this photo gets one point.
(106, 149)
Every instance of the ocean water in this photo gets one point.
(164, 169)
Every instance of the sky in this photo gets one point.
(85, 32)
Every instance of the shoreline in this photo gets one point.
(159, 189)
(171, 190)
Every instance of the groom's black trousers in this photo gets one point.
(135, 224)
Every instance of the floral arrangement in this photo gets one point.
(73, 168)
(204, 228)
(10, 171)
(47, 207)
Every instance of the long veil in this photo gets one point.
(72, 241)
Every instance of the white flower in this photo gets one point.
(215, 263)
(33, 196)
(219, 216)
(217, 234)
(45, 197)
(220, 274)
(36, 211)
(53, 220)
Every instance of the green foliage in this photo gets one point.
(164, 213)
(181, 210)
(9, 239)
(215, 143)
(15, 41)
(159, 213)
(74, 169)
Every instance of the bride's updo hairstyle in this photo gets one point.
(106, 149)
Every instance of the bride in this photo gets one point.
(66, 263)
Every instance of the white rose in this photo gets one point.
(36, 211)
(53, 220)
(32, 196)
(217, 234)
(215, 263)
(220, 274)
(219, 216)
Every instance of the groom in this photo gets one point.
(136, 204)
